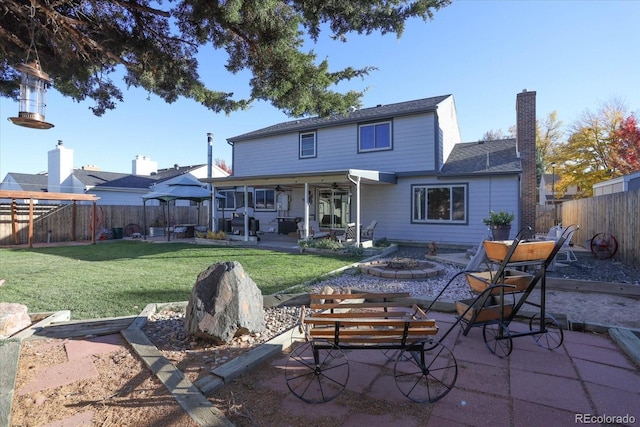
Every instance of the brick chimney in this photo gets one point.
(526, 147)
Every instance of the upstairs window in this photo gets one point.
(375, 136)
(439, 203)
(307, 145)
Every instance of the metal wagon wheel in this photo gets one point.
(317, 373)
(132, 229)
(425, 371)
(603, 245)
(497, 338)
(551, 335)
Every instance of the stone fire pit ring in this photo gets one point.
(401, 269)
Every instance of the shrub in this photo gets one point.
(499, 218)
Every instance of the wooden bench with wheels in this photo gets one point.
(317, 370)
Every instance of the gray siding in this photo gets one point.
(337, 148)
(394, 214)
(390, 205)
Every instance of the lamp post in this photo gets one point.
(553, 193)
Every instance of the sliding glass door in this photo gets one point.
(334, 207)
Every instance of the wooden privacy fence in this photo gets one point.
(52, 222)
(616, 214)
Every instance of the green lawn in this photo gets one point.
(121, 278)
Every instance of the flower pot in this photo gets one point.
(500, 232)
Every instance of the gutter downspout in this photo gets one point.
(357, 184)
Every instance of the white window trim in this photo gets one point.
(315, 145)
(426, 187)
(368, 150)
(255, 199)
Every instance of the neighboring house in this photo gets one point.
(402, 165)
(548, 190)
(112, 188)
(617, 185)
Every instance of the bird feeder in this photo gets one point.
(33, 89)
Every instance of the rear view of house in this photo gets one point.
(402, 165)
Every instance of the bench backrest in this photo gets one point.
(357, 320)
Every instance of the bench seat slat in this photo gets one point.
(364, 341)
(373, 332)
(343, 305)
(369, 322)
(371, 314)
(369, 296)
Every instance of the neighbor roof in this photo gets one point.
(498, 156)
(377, 112)
(101, 179)
(31, 182)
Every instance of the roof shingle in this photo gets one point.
(483, 157)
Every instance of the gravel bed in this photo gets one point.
(430, 287)
(166, 329)
(587, 267)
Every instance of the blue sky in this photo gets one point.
(575, 54)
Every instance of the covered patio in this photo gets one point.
(352, 181)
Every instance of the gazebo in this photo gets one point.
(185, 187)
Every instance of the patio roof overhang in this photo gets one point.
(318, 178)
(357, 177)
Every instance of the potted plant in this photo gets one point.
(499, 223)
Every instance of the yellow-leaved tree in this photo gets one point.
(589, 154)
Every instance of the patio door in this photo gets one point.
(334, 207)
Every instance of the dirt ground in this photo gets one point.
(125, 393)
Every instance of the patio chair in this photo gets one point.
(314, 230)
(349, 235)
(565, 253)
(367, 232)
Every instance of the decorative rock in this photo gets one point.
(224, 303)
(13, 318)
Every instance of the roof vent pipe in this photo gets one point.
(209, 154)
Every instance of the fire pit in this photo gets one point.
(402, 268)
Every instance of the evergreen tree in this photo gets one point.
(154, 44)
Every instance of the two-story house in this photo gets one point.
(401, 164)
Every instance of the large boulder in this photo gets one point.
(224, 303)
(13, 318)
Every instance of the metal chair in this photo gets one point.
(349, 234)
(367, 232)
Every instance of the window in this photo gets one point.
(234, 199)
(307, 145)
(374, 136)
(265, 200)
(439, 203)
(229, 201)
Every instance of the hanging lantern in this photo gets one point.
(33, 90)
